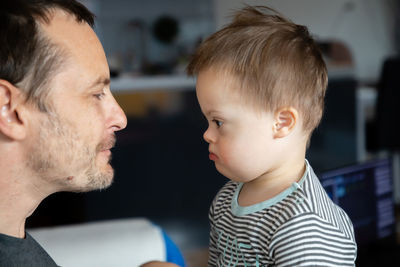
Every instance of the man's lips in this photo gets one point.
(107, 144)
(106, 152)
(212, 156)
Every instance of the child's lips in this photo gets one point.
(212, 156)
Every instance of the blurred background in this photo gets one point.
(162, 171)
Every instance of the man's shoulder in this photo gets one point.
(23, 252)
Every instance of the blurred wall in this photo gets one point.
(366, 26)
(125, 27)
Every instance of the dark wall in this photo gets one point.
(333, 143)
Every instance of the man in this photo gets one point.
(57, 115)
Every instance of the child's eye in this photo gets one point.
(218, 123)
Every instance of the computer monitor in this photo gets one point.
(365, 192)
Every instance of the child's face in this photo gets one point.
(240, 138)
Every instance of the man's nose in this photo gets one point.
(118, 117)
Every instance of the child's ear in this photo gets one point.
(11, 125)
(285, 120)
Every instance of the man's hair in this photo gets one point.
(28, 59)
(276, 62)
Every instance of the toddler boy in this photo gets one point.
(261, 83)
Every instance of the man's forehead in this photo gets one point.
(63, 29)
(79, 43)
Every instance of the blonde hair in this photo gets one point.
(276, 61)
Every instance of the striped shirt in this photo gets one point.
(299, 227)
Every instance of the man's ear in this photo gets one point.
(285, 120)
(11, 102)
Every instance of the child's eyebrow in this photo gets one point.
(212, 112)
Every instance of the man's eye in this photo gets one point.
(218, 123)
(99, 96)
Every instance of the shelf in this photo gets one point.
(152, 83)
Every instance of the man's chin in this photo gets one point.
(99, 180)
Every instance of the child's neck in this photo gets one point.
(272, 183)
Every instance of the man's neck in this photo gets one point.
(15, 208)
(19, 198)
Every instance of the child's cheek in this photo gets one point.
(227, 156)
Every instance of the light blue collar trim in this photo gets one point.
(238, 210)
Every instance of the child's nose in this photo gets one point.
(208, 136)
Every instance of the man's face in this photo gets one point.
(70, 145)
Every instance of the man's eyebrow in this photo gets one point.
(100, 81)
